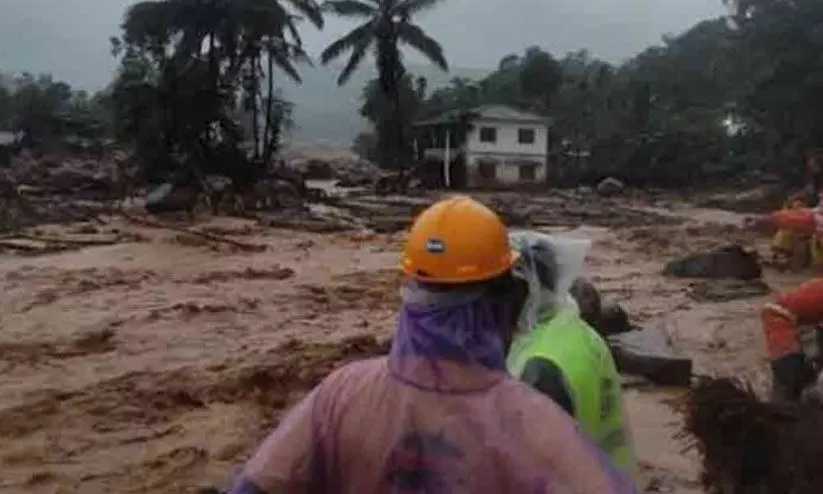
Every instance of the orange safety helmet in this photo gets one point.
(457, 240)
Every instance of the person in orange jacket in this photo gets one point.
(782, 319)
(784, 245)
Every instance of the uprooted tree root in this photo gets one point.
(749, 446)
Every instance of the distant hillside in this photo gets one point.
(326, 113)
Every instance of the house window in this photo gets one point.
(525, 136)
(488, 134)
(527, 171)
(487, 169)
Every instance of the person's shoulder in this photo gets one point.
(358, 369)
(354, 374)
(528, 401)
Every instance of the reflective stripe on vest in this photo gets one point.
(589, 369)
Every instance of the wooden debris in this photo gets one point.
(78, 242)
(245, 246)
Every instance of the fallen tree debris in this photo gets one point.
(77, 242)
(23, 245)
(245, 246)
(749, 446)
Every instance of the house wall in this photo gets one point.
(507, 138)
(507, 152)
(507, 170)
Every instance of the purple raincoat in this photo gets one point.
(439, 415)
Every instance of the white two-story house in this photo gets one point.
(492, 145)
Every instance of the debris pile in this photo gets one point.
(53, 188)
(761, 199)
(59, 175)
(348, 169)
(752, 447)
(388, 214)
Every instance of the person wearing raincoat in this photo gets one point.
(439, 414)
(787, 241)
(561, 355)
(786, 319)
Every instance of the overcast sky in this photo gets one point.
(70, 37)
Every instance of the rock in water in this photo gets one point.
(588, 300)
(614, 320)
(648, 353)
(732, 262)
(610, 187)
(607, 318)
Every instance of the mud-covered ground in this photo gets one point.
(156, 364)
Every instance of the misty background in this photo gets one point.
(69, 39)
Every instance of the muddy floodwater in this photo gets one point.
(155, 365)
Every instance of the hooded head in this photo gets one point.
(547, 267)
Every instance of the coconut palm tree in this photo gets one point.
(387, 25)
(222, 49)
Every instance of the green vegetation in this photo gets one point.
(40, 110)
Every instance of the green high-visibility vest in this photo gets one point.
(591, 376)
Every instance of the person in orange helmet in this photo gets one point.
(792, 370)
(439, 414)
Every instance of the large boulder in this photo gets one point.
(730, 262)
(650, 354)
(614, 319)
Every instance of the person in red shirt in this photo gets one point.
(783, 319)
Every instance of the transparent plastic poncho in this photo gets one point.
(550, 264)
(559, 258)
(439, 415)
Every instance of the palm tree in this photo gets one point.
(227, 47)
(387, 26)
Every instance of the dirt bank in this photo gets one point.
(156, 365)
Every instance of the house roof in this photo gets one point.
(500, 113)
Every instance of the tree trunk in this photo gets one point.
(268, 133)
(255, 124)
(214, 73)
(400, 145)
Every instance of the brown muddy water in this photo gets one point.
(155, 366)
